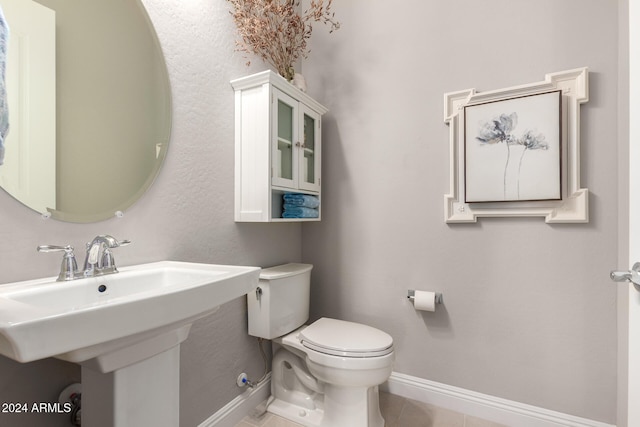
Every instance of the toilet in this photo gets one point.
(325, 374)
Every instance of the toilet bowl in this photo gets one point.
(345, 362)
(325, 374)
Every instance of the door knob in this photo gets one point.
(632, 275)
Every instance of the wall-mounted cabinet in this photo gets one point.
(278, 148)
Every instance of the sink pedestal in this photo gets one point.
(141, 390)
(144, 394)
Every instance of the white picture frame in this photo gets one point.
(488, 182)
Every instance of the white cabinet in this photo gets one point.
(277, 146)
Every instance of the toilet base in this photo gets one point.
(343, 409)
(305, 416)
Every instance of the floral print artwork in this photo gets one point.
(513, 149)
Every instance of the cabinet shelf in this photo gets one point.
(277, 146)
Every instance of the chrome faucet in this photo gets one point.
(99, 259)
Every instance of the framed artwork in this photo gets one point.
(516, 151)
(513, 149)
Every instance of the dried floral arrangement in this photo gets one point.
(275, 31)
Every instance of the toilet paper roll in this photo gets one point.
(424, 300)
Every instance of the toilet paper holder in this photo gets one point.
(411, 294)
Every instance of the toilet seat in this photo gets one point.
(345, 339)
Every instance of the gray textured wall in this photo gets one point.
(530, 314)
(187, 215)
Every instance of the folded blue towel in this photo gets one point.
(291, 211)
(304, 200)
(4, 110)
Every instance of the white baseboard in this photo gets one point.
(490, 408)
(233, 412)
(502, 411)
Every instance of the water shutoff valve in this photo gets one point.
(243, 381)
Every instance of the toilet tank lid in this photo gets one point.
(285, 270)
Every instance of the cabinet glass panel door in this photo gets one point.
(309, 155)
(284, 150)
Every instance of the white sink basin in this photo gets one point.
(87, 318)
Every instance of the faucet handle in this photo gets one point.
(109, 241)
(93, 247)
(69, 267)
(54, 248)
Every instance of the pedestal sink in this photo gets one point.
(124, 329)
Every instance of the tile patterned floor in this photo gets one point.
(397, 412)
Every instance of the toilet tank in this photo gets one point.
(280, 304)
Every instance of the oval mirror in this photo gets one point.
(89, 106)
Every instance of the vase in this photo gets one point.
(299, 82)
